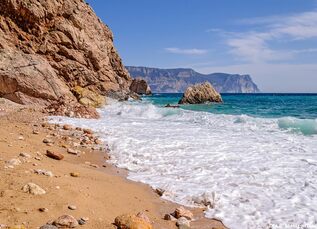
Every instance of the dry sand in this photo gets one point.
(101, 194)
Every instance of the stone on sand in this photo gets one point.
(183, 222)
(131, 222)
(54, 155)
(66, 221)
(33, 189)
(182, 212)
(14, 162)
(48, 226)
(43, 172)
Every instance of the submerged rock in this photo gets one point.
(140, 87)
(200, 93)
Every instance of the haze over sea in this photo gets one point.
(252, 160)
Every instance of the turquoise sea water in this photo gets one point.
(252, 161)
(303, 106)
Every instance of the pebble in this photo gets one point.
(14, 162)
(43, 172)
(46, 141)
(160, 191)
(72, 151)
(83, 220)
(33, 189)
(67, 127)
(169, 217)
(94, 165)
(72, 207)
(43, 209)
(54, 155)
(48, 226)
(35, 132)
(88, 131)
(74, 174)
(21, 138)
(26, 155)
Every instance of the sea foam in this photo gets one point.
(250, 172)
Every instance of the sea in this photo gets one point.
(250, 161)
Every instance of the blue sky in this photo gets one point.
(275, 41)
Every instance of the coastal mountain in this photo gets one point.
(177, 80)
(48, 48)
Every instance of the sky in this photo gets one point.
(275, 41)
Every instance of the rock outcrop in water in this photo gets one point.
(140, 87)
(200, 93)
(47, 48)
(177, 80)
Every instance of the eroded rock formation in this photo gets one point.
(140, 87)
(200, 93)
(47, 48)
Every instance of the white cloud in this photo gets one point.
(253, 46)
(186, 51)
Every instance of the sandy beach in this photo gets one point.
(98, 192)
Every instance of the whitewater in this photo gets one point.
(250, 172)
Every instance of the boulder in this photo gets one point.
(140, 87)
(48, 48)
(132, 222)
(200, 93)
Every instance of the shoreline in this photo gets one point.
(100, 192)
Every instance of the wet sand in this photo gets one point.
(101, 192)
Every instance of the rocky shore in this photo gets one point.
(58, 58)
(57, 176)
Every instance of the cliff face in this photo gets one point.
(177, 80)
(49, 47)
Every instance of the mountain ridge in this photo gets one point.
(176, 80)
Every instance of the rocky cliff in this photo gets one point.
(177, 80)
(47, 48)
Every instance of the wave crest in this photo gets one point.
(304, 126)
